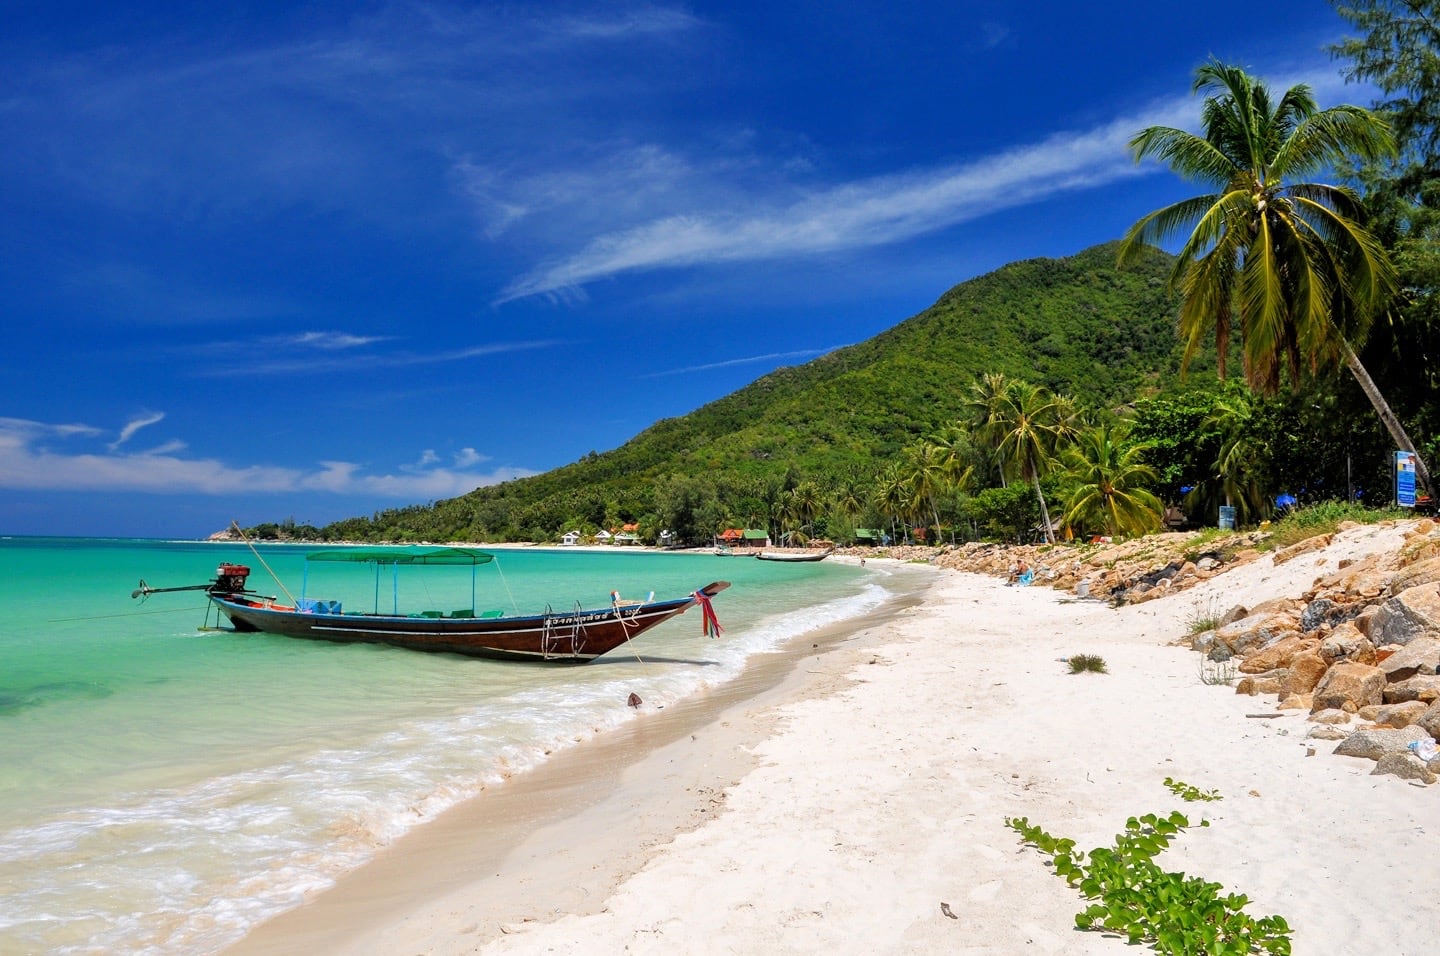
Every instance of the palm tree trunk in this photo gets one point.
(1044, 511)
(1382, 408)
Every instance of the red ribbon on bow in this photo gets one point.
(709, 623)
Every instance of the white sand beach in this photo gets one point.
(841, 797)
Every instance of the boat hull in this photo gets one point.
(792, 557)
(574, 637)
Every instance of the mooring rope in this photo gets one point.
(278, 583)
(513, 603)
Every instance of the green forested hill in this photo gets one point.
(1076, 325)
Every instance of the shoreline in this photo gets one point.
(580, 805)
(859, 803)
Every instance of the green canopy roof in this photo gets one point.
(404, 555)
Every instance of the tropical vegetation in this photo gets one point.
(1290, 263)
(1054, 396)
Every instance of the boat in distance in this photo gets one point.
(794, 556)
(578, 635)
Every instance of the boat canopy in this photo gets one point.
(411, 555)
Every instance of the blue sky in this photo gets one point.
(269, 260)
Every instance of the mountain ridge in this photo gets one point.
(1078, 325)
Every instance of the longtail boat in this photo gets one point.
(573, 636)
(794, 556)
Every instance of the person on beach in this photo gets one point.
(1021, 574)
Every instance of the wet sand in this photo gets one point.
(596, 810)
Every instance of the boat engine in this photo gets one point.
(230, 578)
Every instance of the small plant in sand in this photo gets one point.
(1191, 794)
(1137, 899)
(1081, 663)
(1204, 618)
(1217, 673)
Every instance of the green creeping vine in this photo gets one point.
(1190, 794)
(1184, 916)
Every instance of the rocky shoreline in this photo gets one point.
(1359, 649)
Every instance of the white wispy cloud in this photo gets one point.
(37, 456)
(333, 341)
(787, 222)
(747, 360)
(244, 359)
(614, 24)
(862, 213)
(134, 425)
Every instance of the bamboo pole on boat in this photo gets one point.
(278, 583)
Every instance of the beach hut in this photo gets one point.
(604, 537)
(570, 538)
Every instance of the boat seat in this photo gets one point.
(488, 615)
(432, 613)
(463, 612)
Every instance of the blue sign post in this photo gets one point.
(1405, 479)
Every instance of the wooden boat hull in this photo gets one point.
(792, 557)
(572, 636)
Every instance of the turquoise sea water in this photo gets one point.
(165, 788)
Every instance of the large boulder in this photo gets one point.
(1424, 687)
(1346, 643)
(1329, 717)
(1409, 615)
(1430, 720)
(1257, 630)
(1236, 613)
(1426, 571)
(1305, 673)
(1395, 715)
(1406, 766)
(1420, 656)
(1323, 612)
(1374, 743)
(1363, 580)
(1271, 682)
(1352, 684)
(1278, 654)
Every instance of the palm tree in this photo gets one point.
(1241, 450)
(984, 408)
(956, 453)
(935, 466)
(1287, 262)
(847, 497)
(927, 478)
(893, 495)
(1111, 480)
(802, 505)
(1032, 424)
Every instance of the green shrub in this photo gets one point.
(1322, 518)
(1080, 663)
